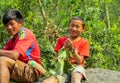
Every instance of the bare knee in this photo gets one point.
(5, 61)
(51, 79)
(77, 76)
(45, 81)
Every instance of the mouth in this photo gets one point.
(73, 32)
(11, 31)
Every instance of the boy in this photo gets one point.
(78, 48)
(19, 49)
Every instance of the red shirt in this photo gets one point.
(81, 45)
(25, 43)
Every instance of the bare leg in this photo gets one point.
(76, 78)
(51, 79)
(6, 66)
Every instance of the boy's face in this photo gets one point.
(75, 28)
(13, 27)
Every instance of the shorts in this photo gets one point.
(79, 69)
(23, 73)
(67, 77)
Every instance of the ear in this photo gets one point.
(21, 22)
(84, 28)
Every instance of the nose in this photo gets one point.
(74, 28)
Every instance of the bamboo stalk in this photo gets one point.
(45, 17)
(107, 15)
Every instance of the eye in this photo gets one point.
(77, 26)
(72, 25)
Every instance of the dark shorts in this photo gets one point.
(23, 73)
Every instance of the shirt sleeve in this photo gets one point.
(7, 45)
(58, 45)
(84, 49)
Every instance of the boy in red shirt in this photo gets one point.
(78, 48)
(19, 49)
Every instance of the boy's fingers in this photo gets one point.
(69, 40)
(67, 44)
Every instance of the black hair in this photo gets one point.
(12, 15)
(80, 18)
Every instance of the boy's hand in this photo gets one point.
(68, 44)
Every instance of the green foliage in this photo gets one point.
(63, 63)
(48, 19)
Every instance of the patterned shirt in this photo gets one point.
(26, 44)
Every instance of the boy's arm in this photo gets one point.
(11, 54)
(78, 58)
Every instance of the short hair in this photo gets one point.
(12, 15)
(78, 18)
